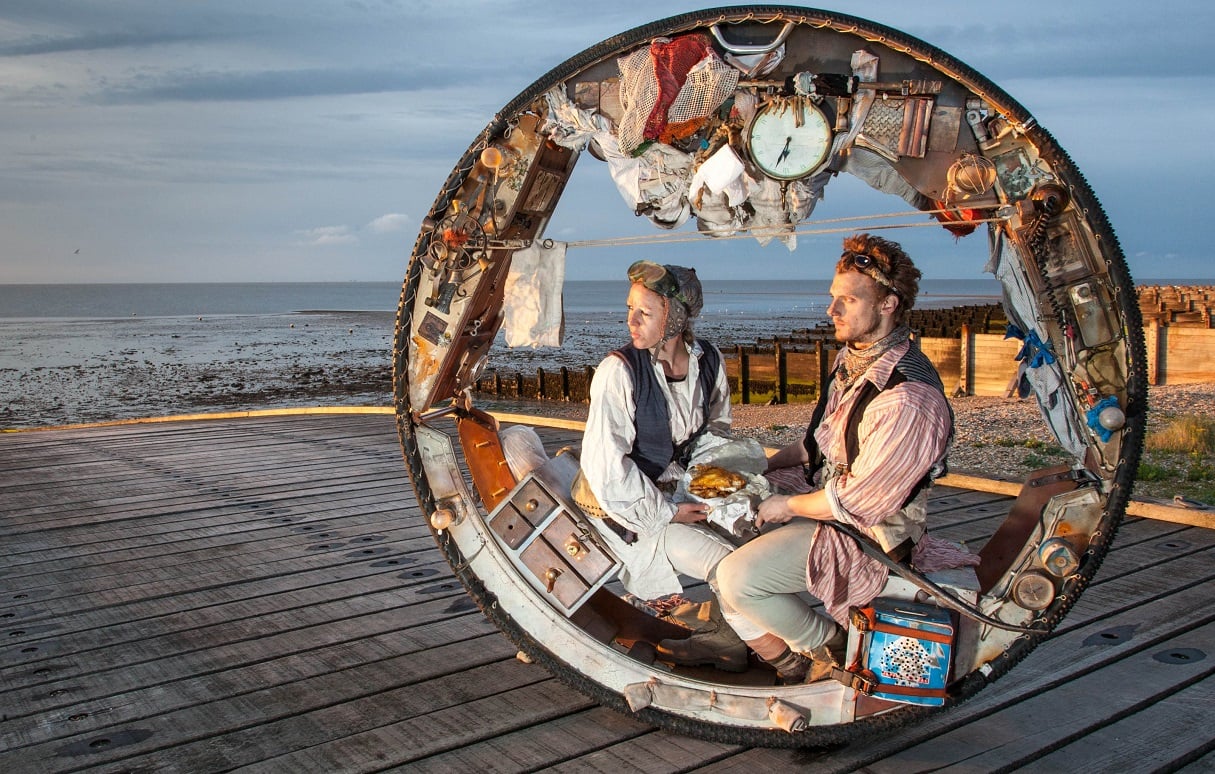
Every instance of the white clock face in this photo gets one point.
(789, 139)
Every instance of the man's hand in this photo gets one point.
(774, 510)
(687, 513)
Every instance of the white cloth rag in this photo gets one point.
(532, 311)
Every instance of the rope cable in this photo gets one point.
(775, 231)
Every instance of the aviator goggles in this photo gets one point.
(657, 278)
(869, 266)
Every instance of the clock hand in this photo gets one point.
(784, 153)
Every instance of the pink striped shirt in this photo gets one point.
(904, 432)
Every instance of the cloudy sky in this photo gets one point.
(303, 140)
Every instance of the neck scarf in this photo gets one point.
(856, 362)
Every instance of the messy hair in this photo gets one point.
(893, 265)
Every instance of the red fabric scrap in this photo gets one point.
(673, 59)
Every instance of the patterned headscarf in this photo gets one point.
(681, 287)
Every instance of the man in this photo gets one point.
(890, 396)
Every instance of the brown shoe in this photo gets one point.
(827, 657)
(712, 642)
(791, 667)
(691, 615)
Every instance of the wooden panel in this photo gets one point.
(1180, 723)
(946, 356)
(486, 460)
(992, 363)
(1189, 355)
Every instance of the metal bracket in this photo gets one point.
(762, 48)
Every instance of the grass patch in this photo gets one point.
(1034, 462)
(1179, 459)
(1149, 471)
(1200, 472)
(1164, 475)
(1187, 434)
(1203, 494)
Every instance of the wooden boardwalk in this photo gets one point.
(261, 594)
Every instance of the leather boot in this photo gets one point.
(791, 667)
(712, 643)
(828, 656)
(690, 615)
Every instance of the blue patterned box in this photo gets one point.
(906, 648)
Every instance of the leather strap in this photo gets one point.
(921, 581)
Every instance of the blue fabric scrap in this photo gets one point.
(1037, 353)
(1093, 416)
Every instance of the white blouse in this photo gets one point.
(622, 489)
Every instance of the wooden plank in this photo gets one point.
(1016, 735)
(1191, 517)
(1203, 765)
(184, 500)
(367, 731)
(1159, 737)
(222, 526)
(230, 521)
(1143, 589)
(946, 356)
(85, 612)
(658, 751)
(538, 747)
(218, 734)
(233, 616)
(212, 634)
(225, 522)
(993, 363)
(1188, 355)
(226, 671)
(97, 504)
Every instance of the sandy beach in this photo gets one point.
(996, 437)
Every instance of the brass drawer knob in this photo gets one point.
(574, 546)
(550, 579)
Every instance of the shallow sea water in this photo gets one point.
(72, 354)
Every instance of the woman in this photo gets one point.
(649, 401)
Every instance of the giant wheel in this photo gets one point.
(911, 121)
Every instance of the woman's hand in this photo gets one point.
(774, 510)
(687, 513)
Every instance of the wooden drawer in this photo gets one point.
(550, 544)
(509, 525)
(556, 577)
(578, 548)
(525, 509)
(533, 501)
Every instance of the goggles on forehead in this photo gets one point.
(657, 278)
(869, 266)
